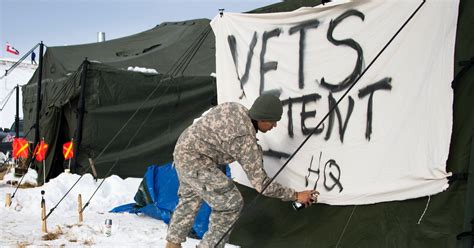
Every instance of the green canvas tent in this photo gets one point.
(448, 217)
(130, 119)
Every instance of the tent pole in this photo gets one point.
(81, 109)
(38, 93)
(17, 116)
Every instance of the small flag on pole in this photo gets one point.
(67, 150)
(40, 151)
(20, 148)
(11, 49)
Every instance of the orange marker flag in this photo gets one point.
(67, 150)
(40, 151)
(20, 148)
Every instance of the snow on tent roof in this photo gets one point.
(159, 48)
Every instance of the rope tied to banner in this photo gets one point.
(424, 211)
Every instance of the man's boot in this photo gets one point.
(172, 245)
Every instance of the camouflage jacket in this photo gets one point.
(224, 135)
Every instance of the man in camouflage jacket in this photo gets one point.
(227, 133)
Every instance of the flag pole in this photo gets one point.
(44, 164)
(44, 172)
(69, 150)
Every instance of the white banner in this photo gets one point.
(388, 139)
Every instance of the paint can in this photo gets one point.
(297, 206)
(108, 227)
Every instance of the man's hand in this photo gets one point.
(307, 197)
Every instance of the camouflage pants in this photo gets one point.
(199, 180)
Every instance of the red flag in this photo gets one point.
(20, 148)
(67, 150)
(40, 151)
(11, 49)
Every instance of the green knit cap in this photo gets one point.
(266, 107)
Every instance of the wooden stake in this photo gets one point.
(79, 207)
(94, 171)
(8, 200)
(43, 216)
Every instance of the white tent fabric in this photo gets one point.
(389, 138)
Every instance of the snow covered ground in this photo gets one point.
(18, 76)
(20, 223)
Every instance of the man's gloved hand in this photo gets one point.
(307, 197)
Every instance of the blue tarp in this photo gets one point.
(161, 184)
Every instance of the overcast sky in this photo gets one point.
(24, 23)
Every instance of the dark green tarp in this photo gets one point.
(272, 223)
(114, 133)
